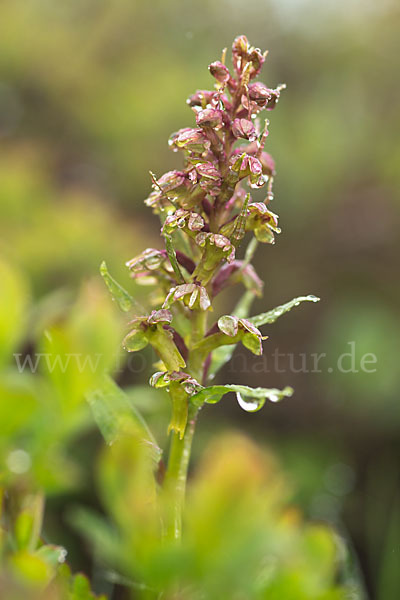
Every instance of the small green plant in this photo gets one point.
(206, 213)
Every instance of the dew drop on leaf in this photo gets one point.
(247, 405)
(273, 398)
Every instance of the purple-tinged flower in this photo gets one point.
(249, 166)
(209, 117)
(266, 160)
(183, 219)
(263, 222)
(275, 97)
(157, 201)
(164, 378)
(149, 260)
(262, 97)
(259, 93)
(240, 48)
(210, 178)
(220, 242)
(257, 59)
(209, 170)
(190, 139)
(251, 337)
(159, 316)
(243, 128)
(219, 71)
(151, 267)
(193, 295)
(152, 329)
(216, 248)
(171, 180)
(246, 57)
(201, 98)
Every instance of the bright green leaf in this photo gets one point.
(272, 315)
(119, 294)
(116, 417)
(251, 399)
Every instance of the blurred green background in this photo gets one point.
(89, 93)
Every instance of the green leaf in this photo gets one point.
(116, 417)
(23, 530)
(28, 523)
(228, 325)
(250, 399)
(135, 340)
(52, 555)
(172, 258)
(272, 315)
(119, 294)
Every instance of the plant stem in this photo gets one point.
(175, 480)
(180, 449)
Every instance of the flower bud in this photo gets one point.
(209, 117)
(250, 336)
(243, 128)
(219, 71)
(171, 180)
(201, 98)
(190, 139)
(263, 222)
(193, 295)
(208, 169)
(210, 178)
(240, 49)
(183, 219)
(259, 93)
(257, 59)
(149, 260)
(244, 56)
(249, 166)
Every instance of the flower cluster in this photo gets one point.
(206, 209)
(204, 206)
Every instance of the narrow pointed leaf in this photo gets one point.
(117, 417)
(119, 294)
(253, 396)
(272, 315)
(172, 258)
